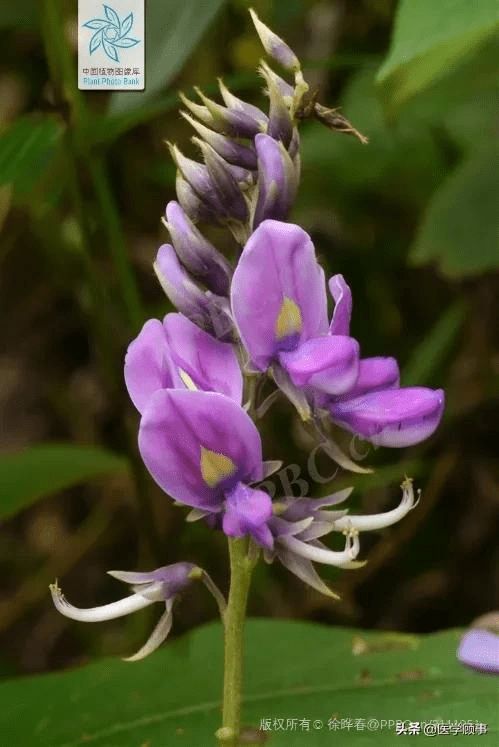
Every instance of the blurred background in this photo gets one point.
(410, 219)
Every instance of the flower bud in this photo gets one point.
(237, 104)
(227, 191)
(232, 151)
(274, 45)
(184, 294)
(199, 111)
(284, 87)
(196, 253)
(277, 182)
(230, 121)
(191, 203)
(280, 125)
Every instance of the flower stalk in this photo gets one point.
(241, 567)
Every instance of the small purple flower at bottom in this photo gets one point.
(479, 649)
(205, 452)
(162, 585)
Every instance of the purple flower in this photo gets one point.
(205, 451)
(299, 524)
(277, 180)
(479, 649)
(279, 305)
(376, 407)
(162, 585)
(176, 354)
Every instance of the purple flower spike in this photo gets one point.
(274, 45)
(479, 649)
(278, 292)
(204, 450)
(195, 252)
(391, 417)
(277, 182)
(162, 585)
(178, 354)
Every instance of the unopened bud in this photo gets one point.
(277, 182)
(275, 46)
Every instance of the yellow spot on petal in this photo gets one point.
(186, 379)
(289, 321)
(215, 467)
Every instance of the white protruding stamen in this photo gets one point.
(322, 555)
(98, 614)
(378, 521)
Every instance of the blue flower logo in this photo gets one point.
(111, 33)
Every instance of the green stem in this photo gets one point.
(241, 567)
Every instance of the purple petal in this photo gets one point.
(392, 417)
(198, 358)
(340, 291)
(277, 181)
(329, 363)
(147, 366)
(480, 649)
(195, 251)
(247, 511)
(375, 374)
(199, 445)
(278, 291)
(175, 577)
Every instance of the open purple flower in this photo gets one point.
(279, 304)
(162, 585)
(479, 649)
(205, 451)
(376, 407)
(176, 354)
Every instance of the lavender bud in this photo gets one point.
(231, 151)
(233, 102)
(277, 182)
(184, 294)
(201, 181)
(230, 121)
(286, 89)
(275, 46)
(280, 125)
(199, 111)
(195, 252)
(225, 186)
(191, 203)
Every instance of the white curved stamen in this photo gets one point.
(322, 555)
(378, 521)
(158, 635)
(98, 614)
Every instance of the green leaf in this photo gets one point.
(429, 39)
(41, 470)
(21, 14)
(293, 670)
(172, 31)
(433, 350)
(26, 149)
(460, 229)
